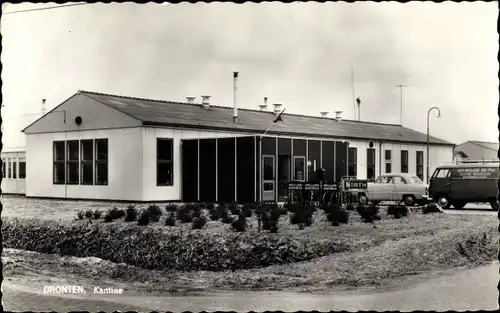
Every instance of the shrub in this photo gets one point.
(397, 211)
(302, 215)
(170, 220)
(198, 209)
(156, 249)
(144, 218)
(185, 213)
(234, 209)
(221, 211)
(240, 224)
(96, 214)
(171, 207)
(113, 214)
(154, 212)
(274, 216)
(226, 218)
(349, 207)
(130, 214)
(337, 214)
(89, 214)
(80, 215)
(210, 206)
(368, 213)
(431, 208)
(248, 208)
(198, 222)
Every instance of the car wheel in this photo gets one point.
(494, 205)
(408, 200)
(444, 202)
(459, 204)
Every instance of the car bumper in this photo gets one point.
(427, 197)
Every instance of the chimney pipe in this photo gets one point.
(277, 108)
(235, 104)
(324, 114)
(43, 106)
(205, 101)
(190, 100)
(263, 107)
(338, 115)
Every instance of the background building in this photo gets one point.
(99, 146)
(476, 150)
(13, 170)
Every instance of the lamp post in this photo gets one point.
(439, 115)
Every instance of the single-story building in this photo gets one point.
(13, 170)
(474, 150)
(101, 146)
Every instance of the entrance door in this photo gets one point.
(268, 182)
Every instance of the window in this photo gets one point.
(399, 180)
(415, 180)
(86, 163)
(101, 161)
(299, 168)
(370, 163)
(404, 161)
(388, 161)
(14, 169)
(59, 162)
(441, 173)
(164, 162)
(3, 168)
(22, 168)
(72, 162)
(420, 164)
(9, 168)
(383, 180)
(353, 162)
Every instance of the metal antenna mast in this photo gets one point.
(401, 103)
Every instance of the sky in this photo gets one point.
(297, 54)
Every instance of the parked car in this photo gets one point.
(457, 184)
(406, 188)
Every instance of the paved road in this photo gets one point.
(473, 289)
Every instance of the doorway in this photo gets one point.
(268, 178)
(283, 176)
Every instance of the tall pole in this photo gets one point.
(401, 103)
(353, 92)
(428, 114)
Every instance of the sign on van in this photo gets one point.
(475, 173)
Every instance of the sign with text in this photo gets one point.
(355, 184)
(475, 173)
(299, 186)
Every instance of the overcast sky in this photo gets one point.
(297, 54)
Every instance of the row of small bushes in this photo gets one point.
(154, 249)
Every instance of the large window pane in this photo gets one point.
(268, 168)
(353, 162)
(59, 151)
(87, 177)
(73, 172)
(72, 150)
(22, 169)
(59, 173)
(101, 161)
(299, 168)
(164, 162)
(370, 163)
(404, 161)
(87, 148)
(87, 158)
(14, 169)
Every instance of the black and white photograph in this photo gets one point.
(250, 156)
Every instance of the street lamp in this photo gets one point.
(439, 115)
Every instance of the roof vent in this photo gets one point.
(324, 114)
(263, 107)
(277, 108)
(190, 100)
(205, 101)
(338, 115)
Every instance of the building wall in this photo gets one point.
(477, 152)
(437, 155)
(124, 166)
(152, 192)
(13, 184)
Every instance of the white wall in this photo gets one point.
(13, 185)
(162, 193)
(438, 155)
(124, 166)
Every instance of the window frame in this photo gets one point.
(87, 162)
(54, 162)
(98, 162)
(369, 166)
(420, 166)
(21, 160)
(72, 162)
(295, 157)
(164, 161)
(352, 162)
(404, 161)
